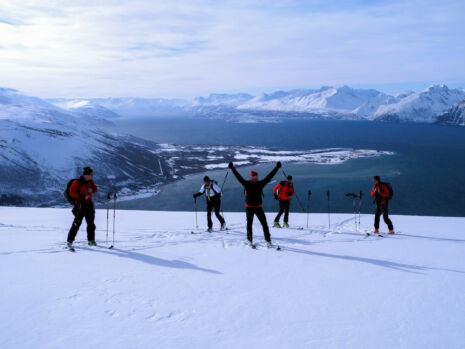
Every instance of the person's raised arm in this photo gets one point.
(237, 174)
(270, 176)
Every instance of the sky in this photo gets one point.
(171, 49)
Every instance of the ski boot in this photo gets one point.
(276, 225)
(376, 231)
(223, 226)
(92, 243)
(391, 232)
(285, 225)
(69, 246)
(209, 230)
(251, 244)
(269, 244)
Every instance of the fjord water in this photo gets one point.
(427, 171)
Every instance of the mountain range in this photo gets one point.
(327, 102)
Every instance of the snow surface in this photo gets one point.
(163, 287)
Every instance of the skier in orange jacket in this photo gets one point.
(283, 192)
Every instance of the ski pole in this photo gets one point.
(114, 219)
(359, 207)
(108, 213)
(222, 185)
(224, 180)
(353, 196)
(308, 204)
(295, 193)
(195, 209)
(329, 213)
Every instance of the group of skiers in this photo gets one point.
(79, 193)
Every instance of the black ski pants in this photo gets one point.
(283, 208)
(383, 210)
(214, 204)
(258, 211)
(83, 210)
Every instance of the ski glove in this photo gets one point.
(278, 164)
(196, 195)
(289, 194)
(231, 166)
(276, 196)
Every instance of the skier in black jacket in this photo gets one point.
(253, 197)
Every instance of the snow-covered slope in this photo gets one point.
(420, 107)
(368, 108)
(163, 287)
(42, 147)
(454, 116)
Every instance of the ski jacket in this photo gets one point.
(210, 190)
(80, 196)
(254, 190)
(381, 193)
(284, 190)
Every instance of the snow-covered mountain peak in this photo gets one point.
(421, 107)
(85, 108)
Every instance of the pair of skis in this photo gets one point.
(254, 246)
(213, 231)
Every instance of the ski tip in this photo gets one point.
(111, 247)
(278, 248)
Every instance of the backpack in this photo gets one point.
(391, 191)
(211, 186)
(70, 199)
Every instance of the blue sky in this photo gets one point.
(142, 48)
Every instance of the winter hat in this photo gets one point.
(88, 171)
(253, 174)
(206, 179)
(377, 178)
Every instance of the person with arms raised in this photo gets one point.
(253, 189)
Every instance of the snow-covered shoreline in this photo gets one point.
(164, 287)
(248, 155)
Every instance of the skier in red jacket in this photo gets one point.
(381, 194)
(81, 190)
(283, 192)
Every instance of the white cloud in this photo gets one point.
(187, 48)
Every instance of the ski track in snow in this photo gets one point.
(163, 287)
